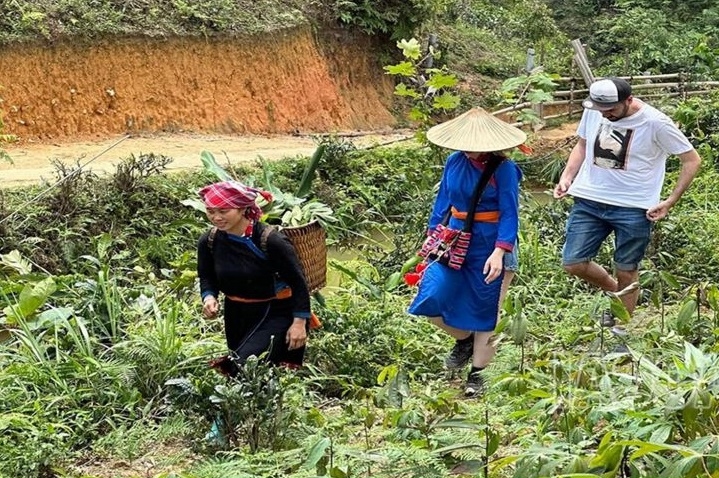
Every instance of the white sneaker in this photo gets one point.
(627, 290)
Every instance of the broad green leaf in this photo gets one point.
(606, 441)
(669, 279)
(538, 96)
(645, 448)
(402, 90)
(410, 264)
(686, 313)
(606, 384)
(393, 281)
(104, 244)
(649, 369)
(518, 328)
(442, 80)
(404, 68)
(713, 297)
(317, 452)
(691, 408)
(694, 359)
(661, 434)
(309, 173)
(543, 82)
(211, 165)
(619, 310)
(509, 460)
(501, 325)
(337, 472)
(15, 261)
(446, 101)
(416, 114)
(493, 444)
(459, 423)
(681, 467)
(410, 48)
(515, 83)
(32, 297)
(195, 204)
(539, 393)
(387, 373)
(54, 315)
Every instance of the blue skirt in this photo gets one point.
(460, 297)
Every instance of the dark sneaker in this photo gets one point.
(475, 385)
(607, 319)
(460, 354)
(619, 331)
(620, 349)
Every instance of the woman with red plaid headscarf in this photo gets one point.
(266, 300)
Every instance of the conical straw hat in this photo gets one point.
(476, 131)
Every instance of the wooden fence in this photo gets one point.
(568, 100)
(572, 92)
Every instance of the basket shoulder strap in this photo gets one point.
(269, 229)
(211, 238)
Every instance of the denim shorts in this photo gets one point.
(591, 222)
(511, 259)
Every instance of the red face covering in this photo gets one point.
(234, 195)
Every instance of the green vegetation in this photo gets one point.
(104, 355)
(91, 19)
(4, 138)
(488, 37)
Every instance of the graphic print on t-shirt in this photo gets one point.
(611, 146)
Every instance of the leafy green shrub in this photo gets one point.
(30, 20)
(634, 40)
(362, 335)
(429, 90)
(395, 18)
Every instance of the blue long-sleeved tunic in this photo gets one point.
(461, 297)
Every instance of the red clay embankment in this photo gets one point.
(280, 83)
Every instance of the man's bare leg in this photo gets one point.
(594, 274)
(625, 279)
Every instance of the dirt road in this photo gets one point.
(32, 162)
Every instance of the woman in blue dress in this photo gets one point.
(465, 302)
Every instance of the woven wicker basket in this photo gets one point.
(311, 247)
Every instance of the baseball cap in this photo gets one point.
(607, 93)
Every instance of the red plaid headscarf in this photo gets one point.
(234, 195)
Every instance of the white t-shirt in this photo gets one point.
(624, 164)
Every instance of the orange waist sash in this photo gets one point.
(484, 216)
(285, 293)
(313, 322)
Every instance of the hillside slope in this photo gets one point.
(296, 80)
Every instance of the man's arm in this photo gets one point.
(690, 167)
(576, 158)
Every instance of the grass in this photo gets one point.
(33, 20)
(374, 400)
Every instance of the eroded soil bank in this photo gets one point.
(283, 83)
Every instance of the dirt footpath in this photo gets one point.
(33, 162)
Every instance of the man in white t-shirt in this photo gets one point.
(615, 173)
